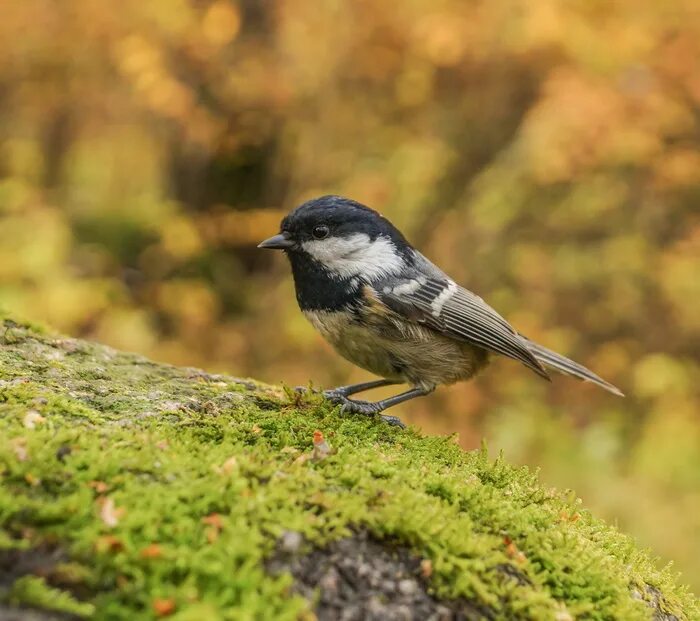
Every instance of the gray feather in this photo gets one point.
(566, 366)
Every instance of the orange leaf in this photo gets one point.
(321, 448)
(512, 550)
(151, 551)
(214, 520)
(163, 607)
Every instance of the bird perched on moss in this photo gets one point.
(388, 309)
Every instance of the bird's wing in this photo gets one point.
(431, 298)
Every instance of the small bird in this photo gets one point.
(386, 308)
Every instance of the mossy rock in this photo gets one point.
(136, 490)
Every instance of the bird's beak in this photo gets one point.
(277, 242)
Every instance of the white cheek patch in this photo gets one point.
(441, 300)
(355, 255)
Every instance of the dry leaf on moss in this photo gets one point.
(32, 418)
(163, 607)
(110, 514)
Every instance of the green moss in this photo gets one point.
(8, 322)
(157, 442)
(33, 591)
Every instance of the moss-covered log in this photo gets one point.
(135, 490)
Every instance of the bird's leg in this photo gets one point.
(342, 392)
(338, 394)
(370, 408)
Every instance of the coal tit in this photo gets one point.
(386, 308)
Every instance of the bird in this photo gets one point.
(386, 308)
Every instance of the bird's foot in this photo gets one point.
(394, 421)
(336, 395)
(367, 408)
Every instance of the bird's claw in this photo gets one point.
(367, 408)
(360, 407)
(394, 421)
(335, 396)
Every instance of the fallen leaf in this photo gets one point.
(32, 418)
(109, 513)
(512, 550)
(321, 448)
(426, 568)
(163, 607)
(151, 551)
(256, 428)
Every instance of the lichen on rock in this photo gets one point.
(139, 490)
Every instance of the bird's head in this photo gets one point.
(344, 238)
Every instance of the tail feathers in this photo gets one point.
(568, 367)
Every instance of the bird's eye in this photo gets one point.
(320, 232)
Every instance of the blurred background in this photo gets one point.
(546, 154)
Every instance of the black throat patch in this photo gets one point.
(316, 289)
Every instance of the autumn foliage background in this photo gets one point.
(546, 154)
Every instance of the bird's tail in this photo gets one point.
(559, 363)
